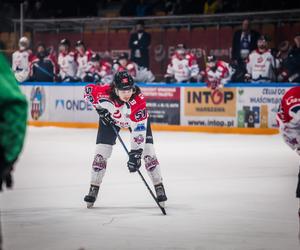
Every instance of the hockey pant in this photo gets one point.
(106, 138)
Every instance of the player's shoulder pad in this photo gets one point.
(96, 93)
(138, 108)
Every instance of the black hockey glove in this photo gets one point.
(105, 117)
(134, 162)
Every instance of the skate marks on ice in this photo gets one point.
(226, 192)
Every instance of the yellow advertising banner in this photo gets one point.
(207, 102)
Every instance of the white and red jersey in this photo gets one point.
(288, 118)
(132, 114)
(183, 69)
(67, 64)
(21, 60)
(218, 76)
(82, 62)
(261, 65)
(106, 72)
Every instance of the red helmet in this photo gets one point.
(289, 110)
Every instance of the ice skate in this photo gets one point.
(92, 196)
(160, 194)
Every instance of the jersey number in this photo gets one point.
(140, 115)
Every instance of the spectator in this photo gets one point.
(217, 73)
(211, 6)
(128, 8)
(139, 43)
(67, 62)
(38, 11)
(138, 74)
(83, 57)
(21, 60)
(13, 119)
(43, 68)
(143, 9)
(183, 66)
(290, 61)
(244, 41)
(261, 64)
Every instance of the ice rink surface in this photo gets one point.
(226, 192)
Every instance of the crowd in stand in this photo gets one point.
(251, 61)
(57, 9)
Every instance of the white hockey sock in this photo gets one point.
(102, 153)
(152, 164)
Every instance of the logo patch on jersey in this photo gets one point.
(139, 139)
(117, 114)
(140, 127)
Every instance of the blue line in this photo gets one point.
(171, 85)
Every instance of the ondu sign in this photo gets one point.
(205, 102)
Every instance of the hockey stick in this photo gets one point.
(140, 174)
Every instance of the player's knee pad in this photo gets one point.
(102, 153)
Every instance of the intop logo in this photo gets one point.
(206, 97)
(73, 105)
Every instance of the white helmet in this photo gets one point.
(23, 43)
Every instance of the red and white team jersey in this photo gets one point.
(82, 62)
(288, 118)
(132, 114)
(21, 61)
(106, 72)
(130, 67)
(261, 65)
(183, 69)
(219, 76)
(67, 65)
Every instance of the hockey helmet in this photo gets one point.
(211, 58)
(123, 80)
(65, 42)
(95, 58)
(24, 42)
(289, 110)
(80, 43)
(123, 55)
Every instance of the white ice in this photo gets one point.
(225, 192)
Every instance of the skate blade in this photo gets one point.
(162, 204)
(89, 204)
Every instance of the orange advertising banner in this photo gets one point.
(207, 102)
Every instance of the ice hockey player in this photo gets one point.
(261, 63)
(67, 62)
(21, 60)
(217, 73)
(122, 105)
(92, 71)
(183, 66)
(139, 74)
(83, 56)
(288, 118)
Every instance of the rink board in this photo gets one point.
(238, 108)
